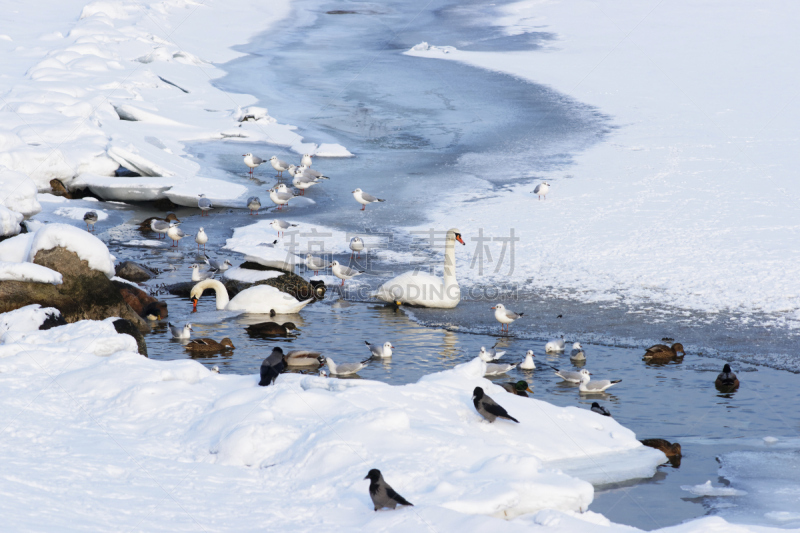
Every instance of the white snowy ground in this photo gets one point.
(97, 437)
(692, 201)
(73, 71)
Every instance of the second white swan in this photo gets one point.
(257, 299)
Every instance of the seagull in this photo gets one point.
(307, 171)
(278, 165)
(577, 353)
(356, 245)
(344, 273)
(306, 161)
(494, 369)
(281, 226)
(91, 219)
(556, 345)
(487, 356)
(586, 385)
(159, 226)
(252, 161)
(200, 276)
(272, 366)
(488, 408)
(541, 190)
(254, 204)
(382, 494)
(345, 369)
(569, 376)
(201, 238)
(528, 363)
(216, 265)
(383, 352)
(323, 373)
(280, 198)
(304, 182)
(600, 410)
(180, 333)
(204, 204)
(176, 234)
(215, 369)
(727, 379)
(316, 264)
(505, 316)
(365, 198)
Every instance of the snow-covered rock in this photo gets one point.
(29, 272)
(88, 247)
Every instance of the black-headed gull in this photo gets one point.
(180, 333)
(216, 265)
(280, 198)
(310, 172)
(343, 272)
(304, 182)
(198, 275)
(306, 160)
(528, 363)
(204, 204)
(252, 161)
(344, 369)
(278, 165)
(541, 190)
(568, 375)
(587, 385)
(577, 353)
(201, 238)
(316, 263)
(281, 225)
(365, 198)
(176, 234)
(159, 226)
(382, 351)
(487, 356)
(91, 219)
(555, 345)
(356, 245)
(488, 408)
(505, 316)
(254, 204)
(495, 369)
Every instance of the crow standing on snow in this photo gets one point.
(488, 408)
(382, 494)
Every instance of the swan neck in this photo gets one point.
(220, 291)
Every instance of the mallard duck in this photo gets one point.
(670, 449)
(271, 329)
(520, 388)
(662, 352)
(727, 380)
(303, 358)
(209, 345)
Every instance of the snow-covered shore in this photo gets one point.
(691, 200)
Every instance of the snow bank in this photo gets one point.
(87, 246)
(77, 213)
(9, 221)
(250, 276)
(662, 209)
(29, 272)
(18, 193)
(27, 318)
(16, 249)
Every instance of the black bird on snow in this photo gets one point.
(272, 367)
(488, 408)
(600, 410)
(382, 494)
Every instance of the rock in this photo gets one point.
(129, 328)
(134, 271)
(164, 204)
(53, 320)
(85, 294)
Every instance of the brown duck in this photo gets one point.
(662, 352)
(727, 380)
(209, 345)
(670, 449)
(271, 329)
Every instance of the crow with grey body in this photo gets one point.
(488, 408)
(382, 494)
(272, 367)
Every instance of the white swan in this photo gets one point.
(425, 290)
(258, 299)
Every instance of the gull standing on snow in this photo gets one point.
(356, 245)
(281, 226)
(316, 263)
(601, 385)
(528, 363)
(365, 198)
(252, 161)
(541, 190)
(201, 238)
(345, 369)
(488, 408)
(204, 204)
(216, 265)
(505, 316)
(555, 345)
(176, 234)
(306, 161)
(91, 219)
(577, 353)
(180, 333)
(197, 275)
(382, 494)
(280, 198)
(344, 273)
(382, 351)
(254, 204)
(487, 356)
(278, 165)
(159, 226)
